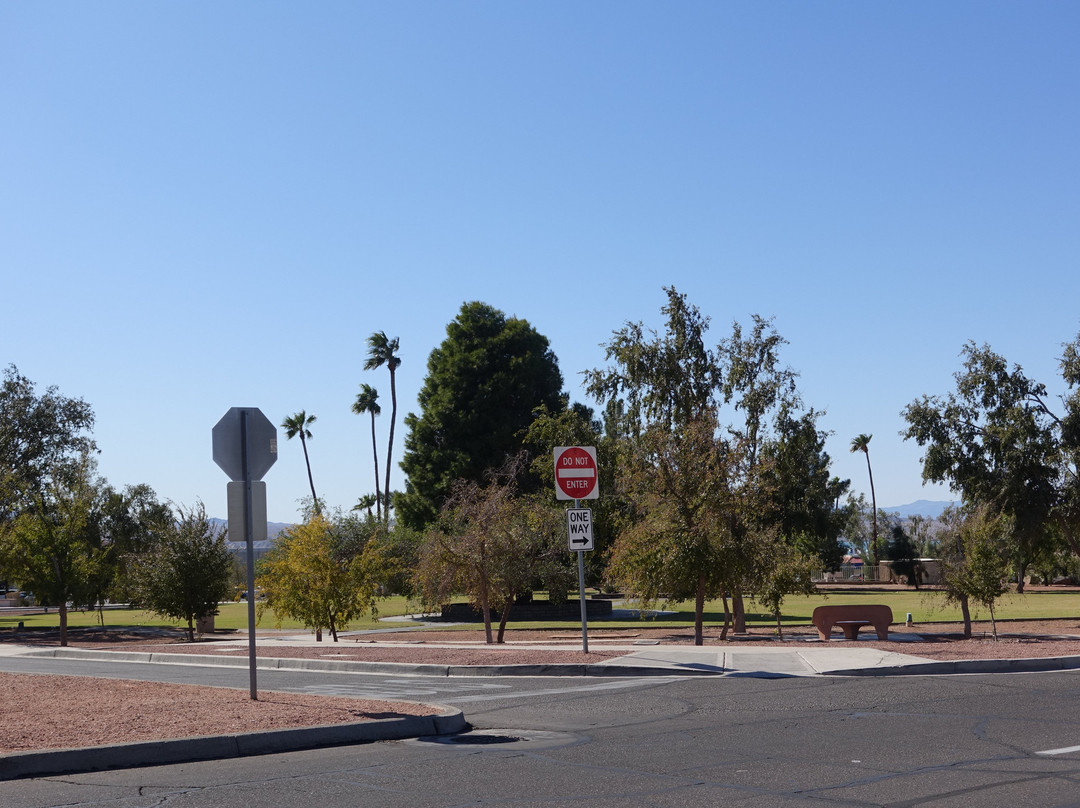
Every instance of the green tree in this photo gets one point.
(787, 571)
(133, 521)
(805, 493)
(684, 483)
(861, 443)
(977, 562)
(53, 545)
(904, 555)
(997, 443)
(484, 384)
(187, 572)
(383, 351)
(310, 576)
(41, 436)
(367, 401)
(297, 425)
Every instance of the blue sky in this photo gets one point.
(206, 205)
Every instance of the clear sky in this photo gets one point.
(206, 205)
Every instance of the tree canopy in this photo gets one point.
(484, 383)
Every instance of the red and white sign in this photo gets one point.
(575, 473)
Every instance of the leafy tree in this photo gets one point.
(904, 555)
(41, 436)
(53, 545)
(996, 442)
(187, 572)
(787, 571)
(295, 425)
(367, 401)
(861, 443)
(804, 493)
(484, 384)
(494, 545)
(674, 383)
(383, 351)
(133, 521)
(684, 546)
(311, 575)
(975, 569)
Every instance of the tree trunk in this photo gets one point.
(333, 629)
(503, 618)
(965, 611)
(779, 628)
(311, 481)
(727, 617)
(485, 609)
(63, 624)
(740, 611)
(699, 611)
(375, 454)
(993, 623)
(390, 448)
(190, 629)
(1021, 570)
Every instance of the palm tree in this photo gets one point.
(365, 502)
(297, 424)
(861, 443)
(367, 400)
(383, 351)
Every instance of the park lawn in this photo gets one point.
(230, 616)
(924, 606)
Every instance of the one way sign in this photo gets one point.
(579, 528)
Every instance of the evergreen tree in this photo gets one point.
(484, 384)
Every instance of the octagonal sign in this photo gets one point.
(244, 433)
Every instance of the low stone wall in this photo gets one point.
(537, 610)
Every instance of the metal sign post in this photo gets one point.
(581, 582)
(245, 447)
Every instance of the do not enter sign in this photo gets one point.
(575, 473)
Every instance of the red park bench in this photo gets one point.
(851, 618)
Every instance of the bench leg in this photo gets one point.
(851, 632)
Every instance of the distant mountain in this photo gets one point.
(272, 528)
(923, 507)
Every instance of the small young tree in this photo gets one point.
(976, 567)
(311, 576)
(785, 571)
(493, 545)
(187, 572)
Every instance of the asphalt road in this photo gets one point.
(544, 743)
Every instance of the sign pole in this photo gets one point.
(249, 540)
(581, 595)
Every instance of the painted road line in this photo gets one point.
(1065, 750)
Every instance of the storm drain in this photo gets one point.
(483, 739)
(512, 739)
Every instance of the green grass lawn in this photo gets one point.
(925, 607)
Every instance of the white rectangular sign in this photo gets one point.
(579, 528)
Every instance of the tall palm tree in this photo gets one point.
(297, 424)
(367, 400)
(861, 443)
(383, 351)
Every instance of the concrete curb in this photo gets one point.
(968, 666)
(220, 747)
(395, 668)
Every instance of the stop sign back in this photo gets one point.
(575, 473)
